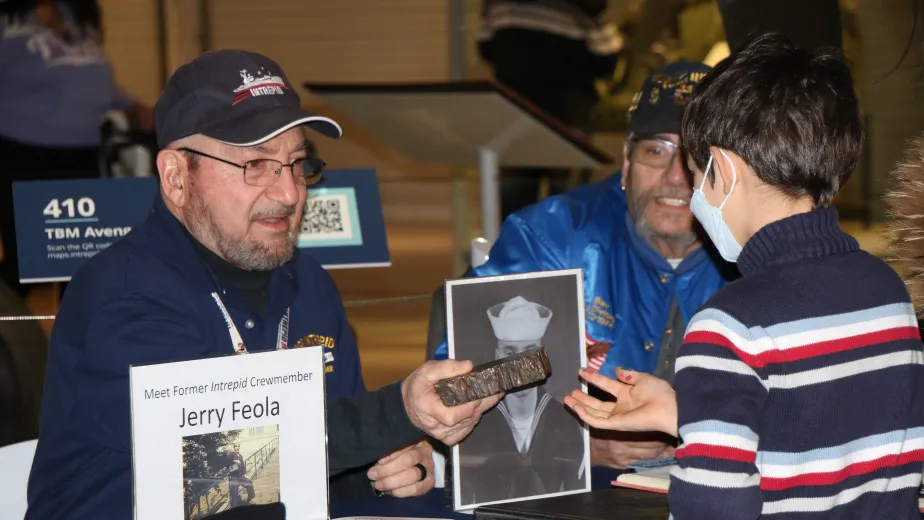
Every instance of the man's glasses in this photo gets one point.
(654, 151)
(264, 172)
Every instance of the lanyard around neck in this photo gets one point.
(237, 342)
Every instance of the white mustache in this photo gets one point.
(282, 212)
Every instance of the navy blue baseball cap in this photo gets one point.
(658, 107)
(237, 97)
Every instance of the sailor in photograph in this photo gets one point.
(529, 444)
(237, 478)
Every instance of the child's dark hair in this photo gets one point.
(792, 114)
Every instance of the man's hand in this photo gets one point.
(644, 403)
(427, 411)
(399, 475)
(619, 450)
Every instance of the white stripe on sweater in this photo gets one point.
(719, 439)
(844, 370)
(735, 366)
(819, 504)
(808, 331)
(838, 458)
(716, 479)
(760, 345)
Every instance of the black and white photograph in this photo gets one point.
(530, 445)
(228, 469)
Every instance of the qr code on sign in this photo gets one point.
(322, 216)
(329, 219)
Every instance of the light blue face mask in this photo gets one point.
(711, 217)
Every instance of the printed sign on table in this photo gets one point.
(214, 434)
(343, 224)
(62, 223)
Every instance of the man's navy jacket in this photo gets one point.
(147, 299)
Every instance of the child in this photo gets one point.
(799, 386)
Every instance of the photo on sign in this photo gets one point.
(227, 469)
(530, 445)
(330, 219)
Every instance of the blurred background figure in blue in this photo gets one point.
(56, 85)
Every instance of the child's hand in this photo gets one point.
(643, 403)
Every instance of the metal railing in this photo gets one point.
(260, 458)
(205, 487)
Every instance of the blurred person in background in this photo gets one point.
(645, 270)
(551, 52)
(55, 86)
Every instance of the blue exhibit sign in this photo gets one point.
(343, 226)
(62, 223)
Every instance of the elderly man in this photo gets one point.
(214, 270)
(645, 272)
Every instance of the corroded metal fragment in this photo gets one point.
(501, 375)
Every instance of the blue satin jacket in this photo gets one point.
(628, 286)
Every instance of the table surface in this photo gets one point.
(434, 504)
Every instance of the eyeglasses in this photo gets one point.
(654, 151)
(264, 172)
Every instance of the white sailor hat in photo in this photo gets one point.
(519, 320)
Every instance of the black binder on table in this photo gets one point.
(607, 504)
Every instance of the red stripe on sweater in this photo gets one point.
(807, 351)
(715, 452)
(834, 477)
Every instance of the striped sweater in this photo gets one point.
(800, 387)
